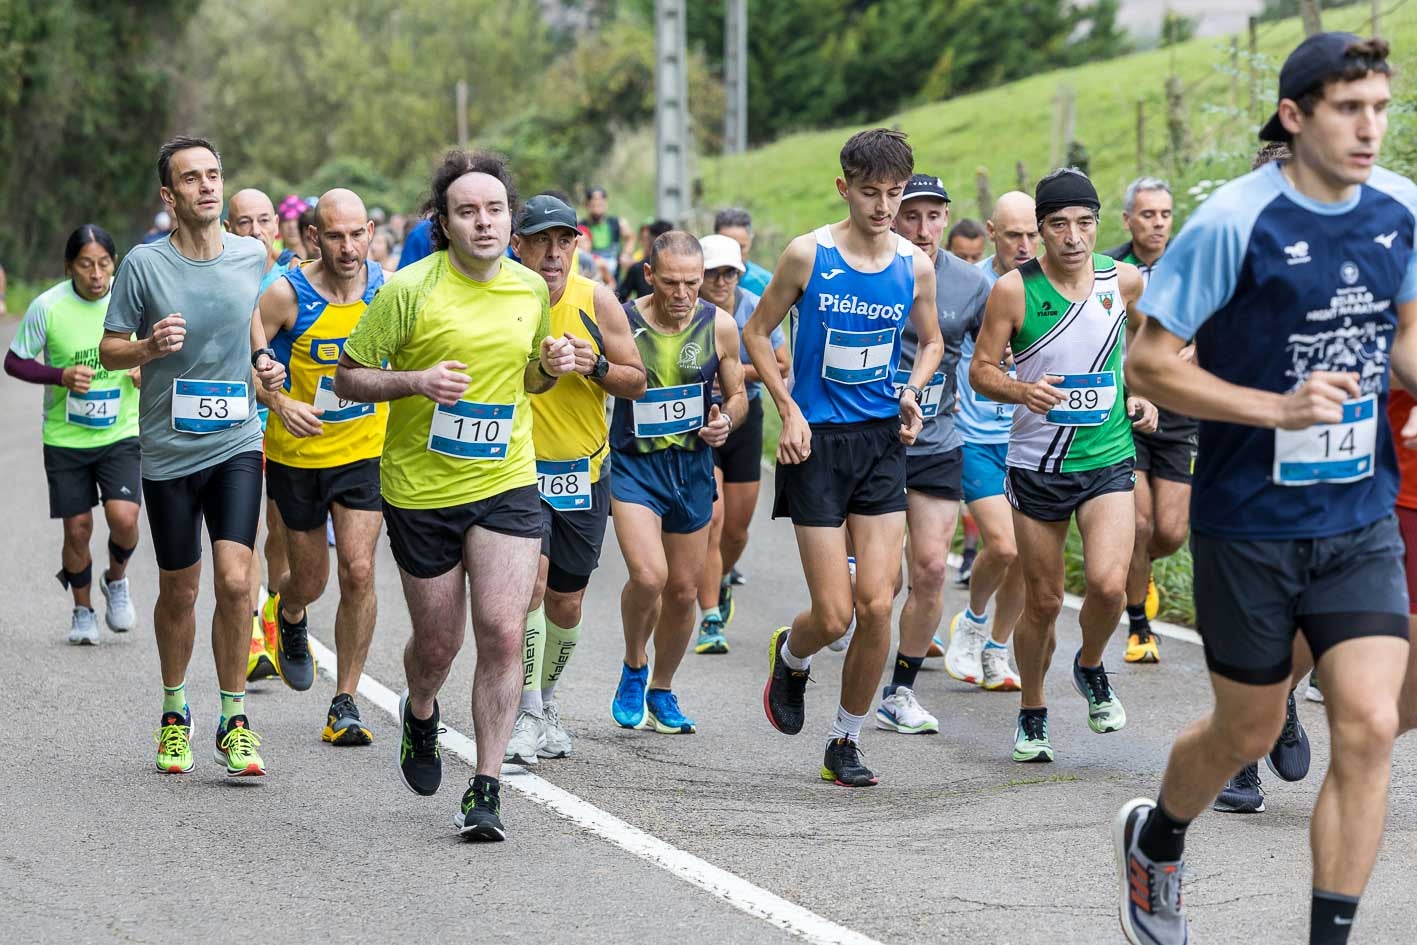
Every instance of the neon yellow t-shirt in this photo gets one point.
(429, 313)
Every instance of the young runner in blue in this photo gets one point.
(841, 454)
(1299, 283)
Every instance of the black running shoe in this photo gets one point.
(783, 696)
(966, 567)
(735, 577)
(1242, 794)
(420, 760)
(480, 815)
(842, 765)
(1289, 758)
(343, 726)
(293, 659)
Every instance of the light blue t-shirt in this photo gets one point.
(980, 420)
(746, 303)
(217, 297)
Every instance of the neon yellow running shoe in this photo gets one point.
(1153, 599)
(174, 743)
(258, 661)
(236, 749)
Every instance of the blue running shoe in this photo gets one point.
(711, 638)
(1242, 794)
(629, 705)
(665, 718)
(1289, 758)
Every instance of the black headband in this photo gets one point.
(1065, 190)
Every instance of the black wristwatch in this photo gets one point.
(602, 368)
(913, 389)
(256, 355)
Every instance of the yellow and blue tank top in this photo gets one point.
(310, 349)
(569, 419)
(679, 373)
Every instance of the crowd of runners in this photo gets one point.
(522, 375)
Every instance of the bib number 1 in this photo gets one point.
(858, 357)
(930, 396)
(1329, 452)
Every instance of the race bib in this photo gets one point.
(96, 409)
(857, 357)
(335, 409)
(468, 430)
(208, 406)
(931, 394)
(1001, 411)
(665, 411)
(1329, 452)
(564, 484)
(1089, 399)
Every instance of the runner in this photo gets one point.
(611, 239)
(322, 456)
(1164, 458)
(966, 240)
(633, 283)
(663, 487)
(978, 653)
(90, 428)
(458, 473)
(934, 462)
(737, 224)
(841, 455)
(571, 448)
(201, 441)
(738, 463)
(1070, 452)
(1296, 477)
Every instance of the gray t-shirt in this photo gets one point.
(216, 297)
(960, 293)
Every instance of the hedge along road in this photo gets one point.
(724, 836)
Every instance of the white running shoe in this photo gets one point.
(966, 641)
(998, 675)
(839, 645)
(901, 712)
(525, 742)
(556, 741)
(84, 627)
(1312, 693)
(118, 613)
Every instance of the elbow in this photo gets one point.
(12, 364)
(1140, 377)
(637, 390)
(342, 383)
(107, 356)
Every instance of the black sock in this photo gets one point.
(1136, 616)
(1162, 837)
(1039, 713)
(1331, 918)
(904, 672)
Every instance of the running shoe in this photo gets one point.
(420, 759)
(999, 676)
(1150, 903)
(1242, 794)
(258, 662)
(526, 741)
(236, 749)
(1104, 710)
(1313, 693)
(1289, 758)
(174, 743)
(967, 638)
(293, 658)
(966, 567)
(936, 650)
(270, 624)
(1153, 599)
(629, 705)
(343, 726)
(901, 712)
(1142, 648)
(556, 740)
(480, 816)
(842, 765)
(662, 711)
(725, 600)
(843, 642)
(736, 578)
(1031, 742)
(711, 638)
(118, 611)
(784, 696)
(83, 627)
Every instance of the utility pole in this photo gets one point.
(1309, 14)
(735, 77)
(671, 105)
(460, 93)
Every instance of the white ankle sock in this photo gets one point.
(847, 725)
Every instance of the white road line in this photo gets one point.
(734, 890)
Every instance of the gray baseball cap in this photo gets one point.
(544, 212)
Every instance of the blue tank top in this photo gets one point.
(846, 335)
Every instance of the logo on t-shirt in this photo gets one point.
(1106, 299)
(689, 355)
(1298, 253)
(1385, 239)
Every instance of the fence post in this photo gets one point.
(981, 193)
(1141, 136)
(1176, 123)
(1062, 124)
(1309, 13)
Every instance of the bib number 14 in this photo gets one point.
(1329, 452)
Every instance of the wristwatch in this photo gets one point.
(913, 389)
(256, 355)
(602, 368)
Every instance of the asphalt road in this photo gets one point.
(957, 844)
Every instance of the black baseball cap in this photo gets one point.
(543, 212)
(1315, 59)
(925, 185)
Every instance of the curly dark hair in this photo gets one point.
(455, 164)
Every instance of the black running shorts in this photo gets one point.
(853, 469)
(304, 496)
(226, 496)
(940, 475)
(1165, 458)
(741, 455)
(1054, 497)
(80, 478)
(429, 542)
(571, 541)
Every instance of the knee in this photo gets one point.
(833, 617)
(681, 590)
(874, 607)
(78, 531)
(1003, 550)
(1044, 602)
(177, 596)
(1108, 592)
(735, 533)
(1166, 539)
(648, 579)
(1367, 730)
(928, 573)
(1146, 528)
(1251, 737)
(232, 587)
(356, 578)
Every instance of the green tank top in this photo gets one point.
(1083, 342)
(680, 371)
